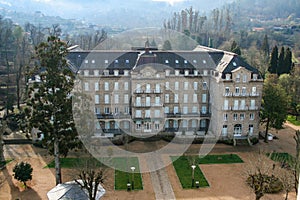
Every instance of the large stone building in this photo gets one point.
(146, 91)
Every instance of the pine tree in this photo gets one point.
(281, 63)
(288, 61)
(167, 45)
(265, 48)
(273, 64)
(235, 48)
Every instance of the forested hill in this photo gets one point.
(268, 9)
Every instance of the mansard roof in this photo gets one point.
(200, 58)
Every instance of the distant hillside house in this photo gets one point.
(146, 91)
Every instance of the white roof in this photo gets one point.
(71, 190)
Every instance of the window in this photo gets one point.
(175, 110)
(138, 101)
(116, 110)
(253, 92)
(167, 98)
(235, 116)
(126, 98)
(185, 98)
(204, 86)
(138, 113)
(167, 109)
(195, 109)
(106, 72)
(106, 99)
(204, 98)
(176, 72)
(138, 88)
(157, 113)
(167, 72)
(251, 116)
(157, 87)
(194, 123)
(96, 72)
(244, 91)
(243, 106)
(186, 85)
(106, 61)
(245, 78)
(227, 91)
(157, 101)
(202, 123)
(226, 107)
(116, 86)
(116, 72)
(224, 130)
(255, 77)
(116, 98)
(167, 85)
(126, 73)
(185, 110)
(125, 85)
(126, 110)
(126, 125)
(175, 124)
(147, 113)
(225, 117)
(176, 85)
(186, 72)
(251, 128)
(195, 85)
(106, 86)
(203, 110)
(236, 105)
(237, 130)
(238, 78)
(175, 98)
(228, 77)
(107, 125)
(237, 91)
(252, 104)
(138, 125)
(97, 99)
(242, 116)
(117, 125)
(97, 110)
(167, 124)
(96, 86)
(97, 125)
(148, 88)
(127, 61)
(196, 72)
(205, 72)
(195, 98)
(86, 86)
(156, 125)
(148, 101)
(166, 61)
(184, 123)
(106, 110)
(86, 72)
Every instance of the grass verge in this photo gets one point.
(184, 172)
(219, 159)
(293, 120)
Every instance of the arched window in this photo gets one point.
(237, 129)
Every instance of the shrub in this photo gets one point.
(23, 172)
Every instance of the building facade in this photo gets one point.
(144, 92)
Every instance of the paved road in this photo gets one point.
(159, 178)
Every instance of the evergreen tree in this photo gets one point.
(273, 64)
(23, 172)
(281, 63)
(235, 48)
(153, 43)
(288, 61)
(50, 104)
(167, 45)
(265, 48)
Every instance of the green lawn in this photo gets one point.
(281, 157)
(220, 159)
(293, 120)
(184, 172)
(122, 177)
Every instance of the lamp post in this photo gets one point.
(193, 173)
(132, 169)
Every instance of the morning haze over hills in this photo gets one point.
(133, 13)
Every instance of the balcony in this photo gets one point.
(253, 108)
(254, 94)
(173, 115)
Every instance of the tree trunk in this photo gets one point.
(286, 195)
(57, 161)
(267, 129)
(2, 159)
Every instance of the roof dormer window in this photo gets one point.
(106, 61)
(167, 61)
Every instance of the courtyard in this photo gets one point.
(226, 181)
